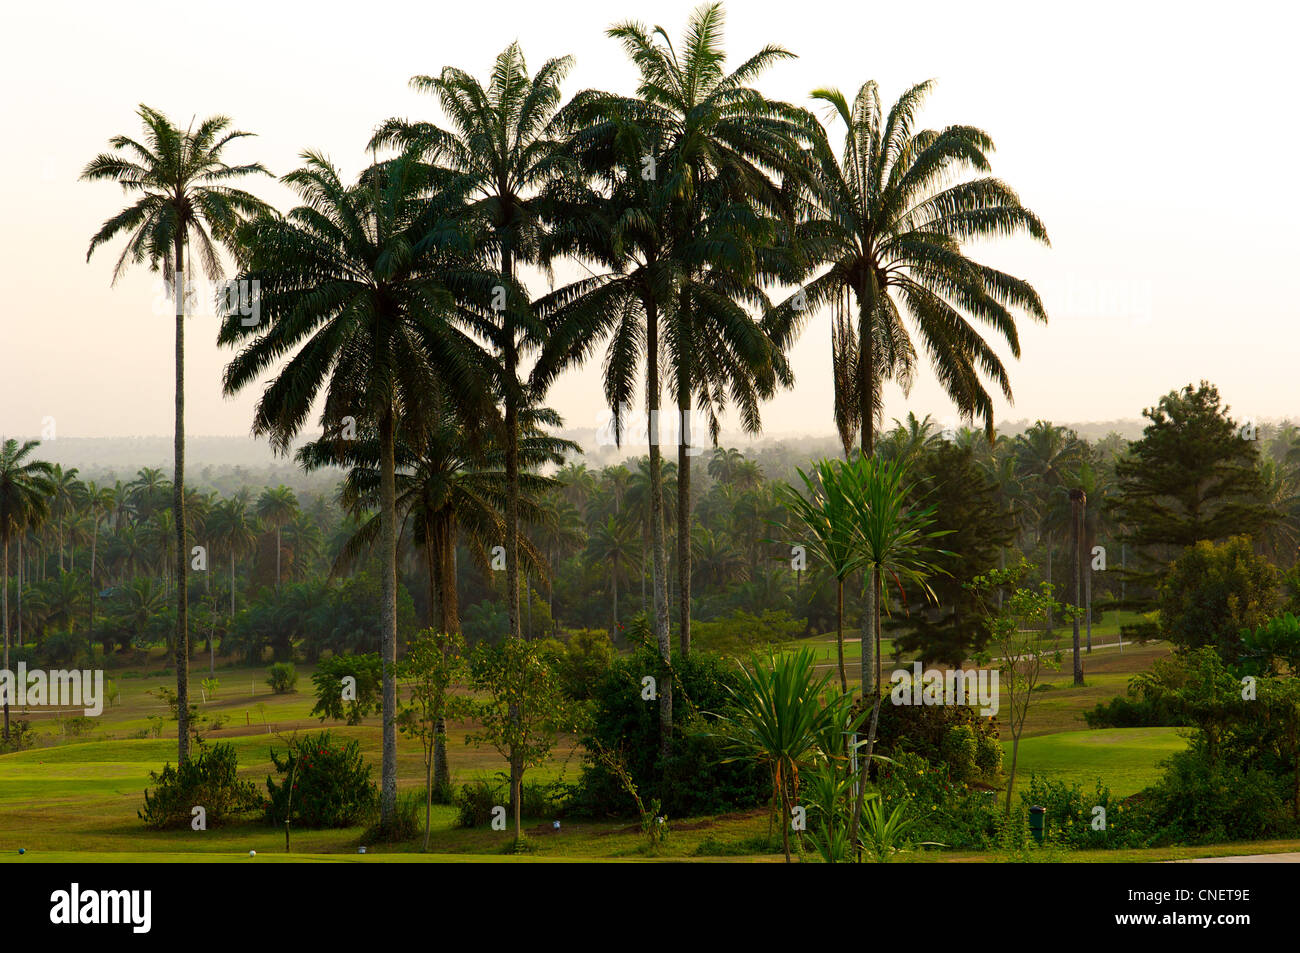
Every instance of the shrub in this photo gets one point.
(1068, 814)
(1200, 802)
(541, 799)
(945, 811)
(207, 780)
(694, 779)
(326, 784)
(328, 681)
(60, 649)
(282, 678)
(938, 734)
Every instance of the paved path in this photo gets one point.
(1290, 858)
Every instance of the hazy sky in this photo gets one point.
(1156, 141)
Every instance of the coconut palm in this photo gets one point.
(26, 487)
(184, 198)
(613, 543)
(358, 291)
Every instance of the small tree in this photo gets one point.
(343, 700)
(1021, 655)
(434, 665)
(523, 708)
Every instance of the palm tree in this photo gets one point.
(721, 143)
(885, 229)
(99, 501)
(503, 149)
(358, 289)
(234, 530)
(826, 512)
(612, 543)
(1047, 459)
(450, 484)
(275, 508)
(184, 196)
(25, 490)
(67, 489)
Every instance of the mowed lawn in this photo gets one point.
(77, 797)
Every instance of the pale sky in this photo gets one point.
(1156, 141)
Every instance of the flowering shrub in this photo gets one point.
(325, 784)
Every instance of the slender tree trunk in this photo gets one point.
(868, 635)
(6, 623)
(178, 507)
(277, 559)
(388, 619)
(614, 589)
(22, 575)
(1077, 500)
(839, 633)
(94, 591)
(684, 529)
(232, 585)
(659, 556)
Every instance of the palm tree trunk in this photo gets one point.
(388, 620)
(94, 591)
(277, 559)
(684, 533)
(839, 633)
(18, 590)
(5, 597)
(232, 585)
(658, 547)
(178, 507)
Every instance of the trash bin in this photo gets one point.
(1036, 821)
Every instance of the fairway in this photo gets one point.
(1125, 759)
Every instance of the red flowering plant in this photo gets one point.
(325, 783)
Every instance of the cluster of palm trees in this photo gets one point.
(401, 301)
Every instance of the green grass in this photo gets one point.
(1125, 759)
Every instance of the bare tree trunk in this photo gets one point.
(388, 617)
(6, 622)
(1077, 503)
(178, 507)
(659, 557)
(839, 633)
(684, 522)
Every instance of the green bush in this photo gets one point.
(938, 734)
(946, 811)
(1068, 814)
(326, 784)
(541, 800)
(208, 780)
(282, 677)
(1199, 802)
(695, 779)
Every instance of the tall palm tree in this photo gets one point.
(63, 501)
(612, 543)
(99, 502)
(25, 490)
(359, 292)
(883, 231)
(234, 529)
(721, 147)
(504, 149)
(275, 508)
(184, 198)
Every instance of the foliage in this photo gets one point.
(208, 780)
(694, 779)
(328, 680)
(325, 784)
(1212, 592)
(282, 677)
